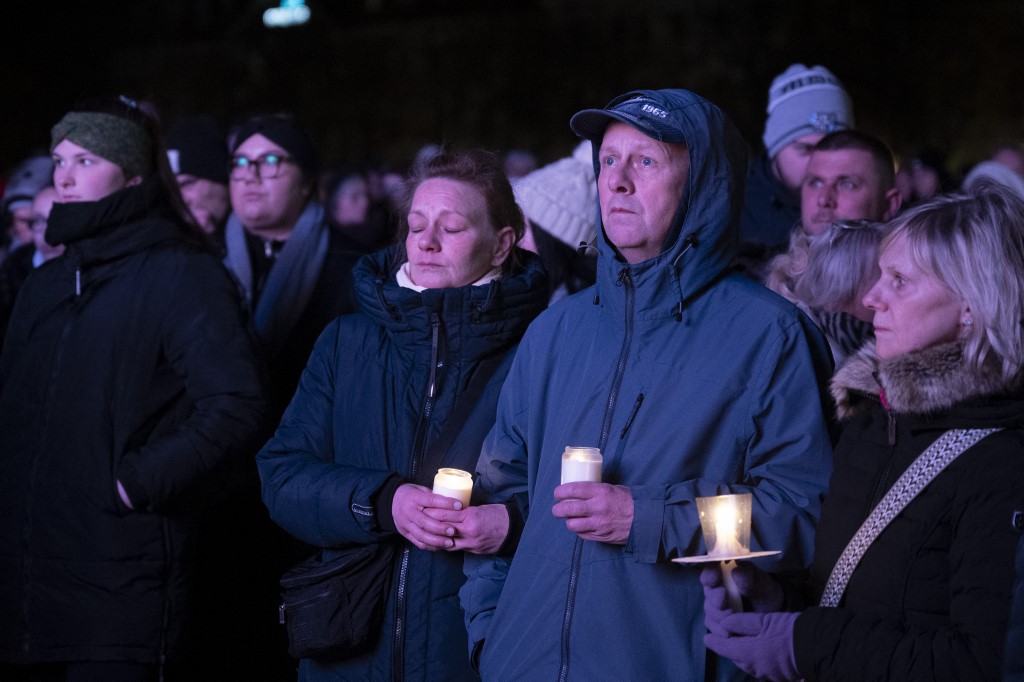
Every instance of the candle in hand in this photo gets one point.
(454, 483)
(581, 464)
(725, 520)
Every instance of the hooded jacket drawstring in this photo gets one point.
(480, 308)
(392, 310)
(688, 242)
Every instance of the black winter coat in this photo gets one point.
(930, 598)
(128, 358)
(1014, 664)
(375, 397)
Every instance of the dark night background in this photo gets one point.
(376, 79)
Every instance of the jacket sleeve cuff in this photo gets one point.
(644, 541)
(516, 523)
(805, 631)
(385, 499)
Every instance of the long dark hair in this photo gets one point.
(173, 206)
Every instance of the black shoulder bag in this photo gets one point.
(334, 609)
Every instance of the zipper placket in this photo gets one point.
(880, 483)
(436, 363)
(74, 308)
(626, 280)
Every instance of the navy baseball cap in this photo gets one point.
(635, 109)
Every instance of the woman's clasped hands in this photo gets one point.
(434, 522)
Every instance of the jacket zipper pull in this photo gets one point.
(435, 326)
(78, 281)
(632, 415)
(889, 416)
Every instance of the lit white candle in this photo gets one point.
(581, 464)
(727, 521)
(454, 483)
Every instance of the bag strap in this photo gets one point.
(464, 404)
(927, 466)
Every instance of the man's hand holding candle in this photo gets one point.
(601, 512)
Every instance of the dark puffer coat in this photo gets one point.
(930, 599)
(1015, 637)
(374, 397)
(128, 359)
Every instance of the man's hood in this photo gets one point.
(702, 241)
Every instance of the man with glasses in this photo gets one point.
(297, 277)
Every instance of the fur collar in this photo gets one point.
(922, 382)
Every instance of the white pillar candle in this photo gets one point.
(581, 464)
(454, 483)
(733, 598)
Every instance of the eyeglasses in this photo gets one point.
(837, 228)
(266, 166)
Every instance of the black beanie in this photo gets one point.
(198, 146)
(282, 131)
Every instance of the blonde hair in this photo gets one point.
(785, 269)
(974, 244)
(842, 263)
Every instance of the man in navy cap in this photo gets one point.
(692, 382)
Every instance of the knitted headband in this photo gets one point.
(114, 138)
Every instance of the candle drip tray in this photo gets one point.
(708, 558)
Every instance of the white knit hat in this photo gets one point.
(996, 172)
(561, 198)
(802, 101)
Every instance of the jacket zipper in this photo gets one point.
(436, 363)
(880, 484)
(577, 551)
(58, 356)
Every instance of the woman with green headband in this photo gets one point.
(129, 389)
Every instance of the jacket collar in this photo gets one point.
(923, 382)
(477, 319)
(121, 223)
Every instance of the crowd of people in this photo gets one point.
(220, 355)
